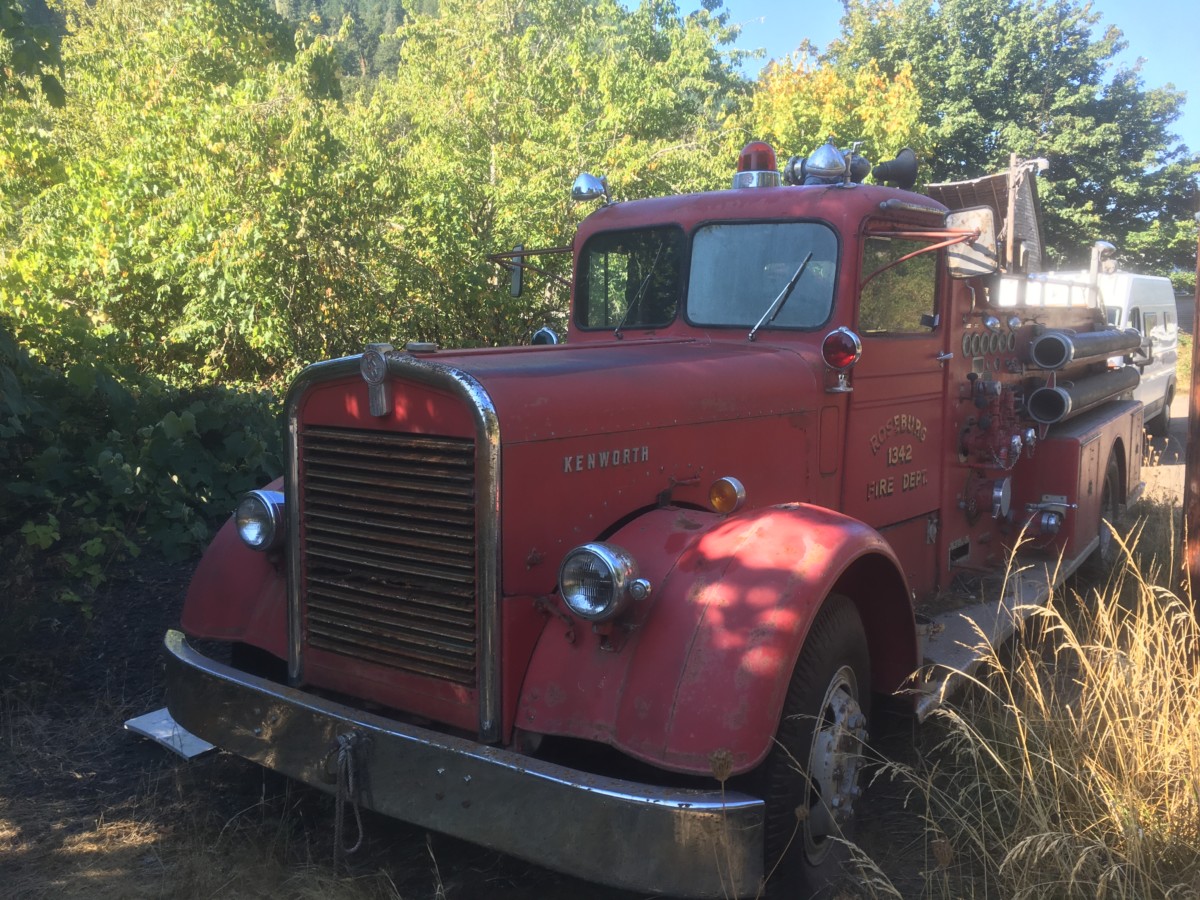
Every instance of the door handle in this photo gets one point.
(943, 358)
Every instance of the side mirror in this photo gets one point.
(517, 272)
(979, 255)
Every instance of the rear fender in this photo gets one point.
(706, 664)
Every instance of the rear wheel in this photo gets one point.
(1098, 566)
(812, 775)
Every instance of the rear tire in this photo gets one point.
(1097, 567)
(812, 775)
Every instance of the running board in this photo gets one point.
(954, 643)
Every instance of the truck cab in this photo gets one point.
(796, 431)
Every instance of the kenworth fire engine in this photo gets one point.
(618, 604)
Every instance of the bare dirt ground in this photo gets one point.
(1163, 469)
(87, 810)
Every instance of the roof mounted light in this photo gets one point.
(828, 165)
(756, 167)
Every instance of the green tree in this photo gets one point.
(799, 103)
(364, 24)
(213, 215)
(28, 53)
(498, 105)
(1001, 76)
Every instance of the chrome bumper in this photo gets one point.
(685, 843)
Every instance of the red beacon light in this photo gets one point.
(840, 350)
(756, 167)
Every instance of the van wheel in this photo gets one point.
(1159, 425)
(812, 776)
(1097, 567)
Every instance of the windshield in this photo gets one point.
(631, 279)
(739, 269)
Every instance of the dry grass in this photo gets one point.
(1071, 766)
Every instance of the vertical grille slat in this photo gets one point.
(388, 549)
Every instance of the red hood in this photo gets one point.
(564, 391)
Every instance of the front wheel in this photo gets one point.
(1161, 424)
(812, 775)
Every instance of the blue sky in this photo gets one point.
(1165, 34)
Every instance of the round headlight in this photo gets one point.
(259, 518)
(599, 580)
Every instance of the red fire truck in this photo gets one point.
(619, 604)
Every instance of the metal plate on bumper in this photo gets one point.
(686, 843)
(158, 726)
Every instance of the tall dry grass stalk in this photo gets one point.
(1070, 767)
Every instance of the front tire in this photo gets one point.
(1161, 424)
(812, 775)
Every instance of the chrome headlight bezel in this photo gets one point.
(599, 581)
(259, 519)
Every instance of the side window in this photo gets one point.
(1135, 319)
(1150, 321)
(899, 293)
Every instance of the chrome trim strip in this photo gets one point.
(487, 524)
(683, 843)
(317, 372)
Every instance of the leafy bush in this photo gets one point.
(94, 466)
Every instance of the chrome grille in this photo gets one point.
(388, 549)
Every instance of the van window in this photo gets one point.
(1135, 319)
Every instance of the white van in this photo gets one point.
(1147, 304)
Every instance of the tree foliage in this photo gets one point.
(799, 103)
(234, 188)
(367, 49)
(498, 105)
(29, 53)
(1012, 76)
(209, 208)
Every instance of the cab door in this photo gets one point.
(896, 430)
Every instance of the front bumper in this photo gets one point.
(685, 843)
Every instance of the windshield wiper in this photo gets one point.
(641, 290)
(777, 305)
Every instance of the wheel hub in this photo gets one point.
(834, 763)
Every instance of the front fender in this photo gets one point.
(707, 664)
(238, 594)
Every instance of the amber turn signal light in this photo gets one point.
(726, 495)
